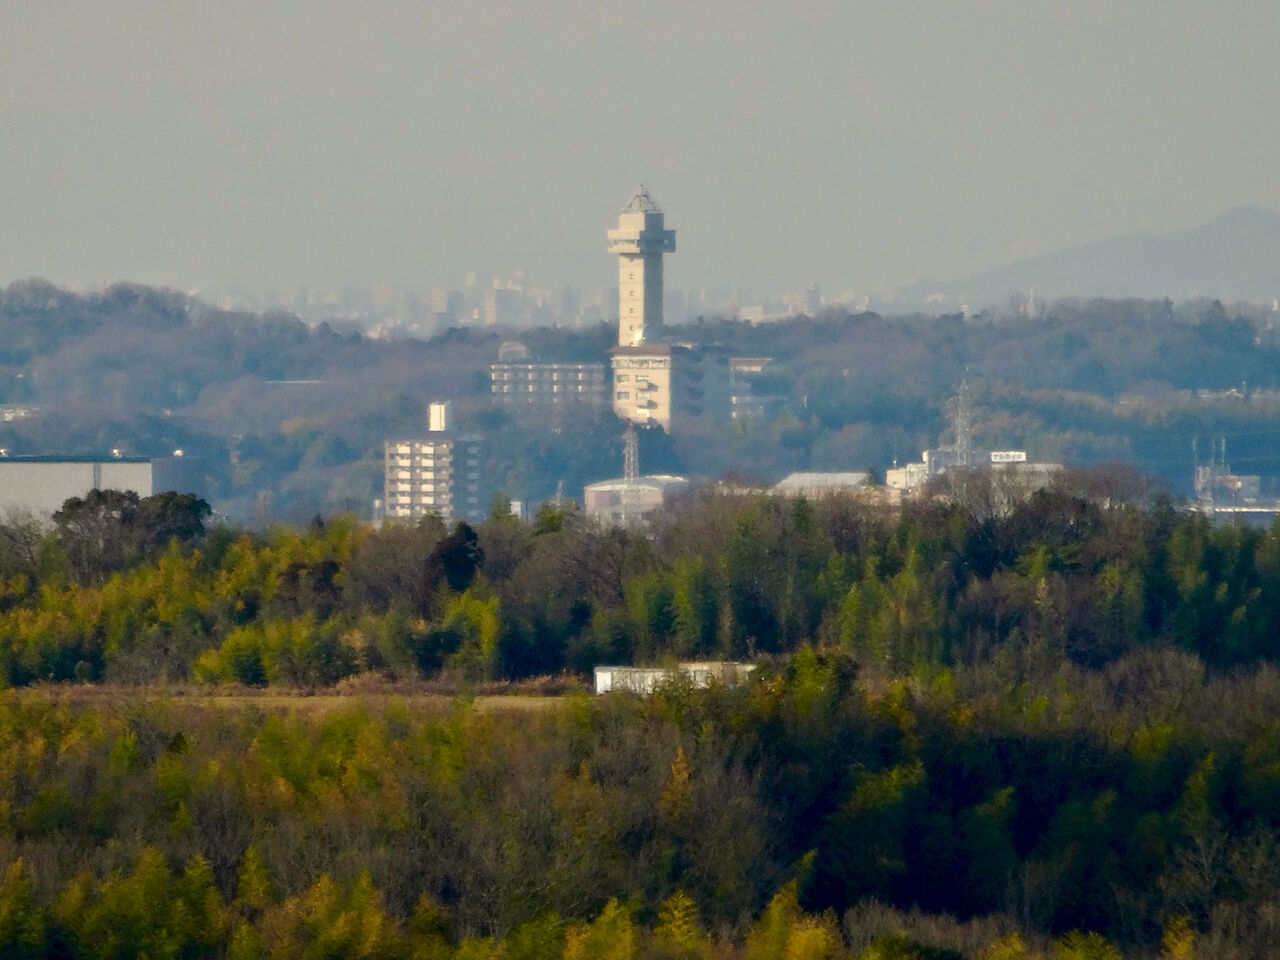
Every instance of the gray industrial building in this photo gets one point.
(40, 485)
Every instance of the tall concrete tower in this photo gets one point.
(640, 241)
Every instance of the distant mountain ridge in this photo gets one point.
(1235, 256)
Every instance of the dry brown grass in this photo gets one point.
(541, 693)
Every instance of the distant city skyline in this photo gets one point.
(858, 145)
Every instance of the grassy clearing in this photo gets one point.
(286, 699)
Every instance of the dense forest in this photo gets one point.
(288, 420)
(1090, 570)
(992, 724)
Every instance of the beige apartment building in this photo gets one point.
(642, 383)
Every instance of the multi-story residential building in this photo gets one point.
(437, 474)
(523, 384)
(643, 377)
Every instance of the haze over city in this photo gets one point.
(859, 145)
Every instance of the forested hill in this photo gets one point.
(290, 419)
(275, 408)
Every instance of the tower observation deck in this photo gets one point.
(640, 241)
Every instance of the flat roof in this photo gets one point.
(815, 481)
(642, 350)
(657, 481)
(50, 459)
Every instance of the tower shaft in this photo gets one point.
(639, 297)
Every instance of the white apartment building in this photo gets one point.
(438, 474)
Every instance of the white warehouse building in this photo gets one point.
(644, 680)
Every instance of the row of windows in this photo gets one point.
(565, 368)
(553, 377)
(641, 382)
(427, 459)
(640, 363)
(507, 388)
(550, 399)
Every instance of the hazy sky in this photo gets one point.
(856, 143)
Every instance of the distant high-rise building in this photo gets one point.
(437, 474)
(640, 241)
(813, 299)
(446, 306)
(502, 306)
(570, 306)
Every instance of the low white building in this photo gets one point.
(1011, 466)
(907, 477)
(644, 680)
(815, 486)
(623, 502)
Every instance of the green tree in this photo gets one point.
(23, 925)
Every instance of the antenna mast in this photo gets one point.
(630, 455)
(964, 426)
(630, 474)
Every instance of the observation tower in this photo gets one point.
(640, 241)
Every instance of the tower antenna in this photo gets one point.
(630, 455)
(964, 426)
(630, 475)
